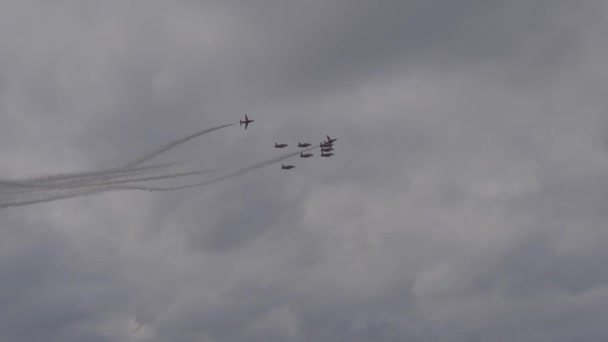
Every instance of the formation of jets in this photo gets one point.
(325, 146)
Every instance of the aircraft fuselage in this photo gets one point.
(246, 122)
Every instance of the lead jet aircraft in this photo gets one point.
(303, 144)
(246, 122)
(324, 144)
(287, 167)
(305, 155)
(279, 145)
(326, 154)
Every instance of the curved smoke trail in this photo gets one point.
(113, 187)
(219, 179)
(173, 144)
(118, 179)
(123, 168)
(97, 188)
(41, 182)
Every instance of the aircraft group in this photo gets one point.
(326, 146)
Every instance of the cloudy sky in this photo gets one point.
(466, 200)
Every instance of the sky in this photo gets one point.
(466, 200)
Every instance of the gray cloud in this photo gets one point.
(464, 203)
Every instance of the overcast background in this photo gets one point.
(466, 201)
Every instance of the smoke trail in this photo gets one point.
(78, 181)
(100, 187)
(137, 180)
(121, 175)
(112, 187)
(103, 182)
(48, 199)
(218, 179)
(70, 175)
(41, 182)
(173, 144)
(129, 165)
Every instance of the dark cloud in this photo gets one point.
(464, 203)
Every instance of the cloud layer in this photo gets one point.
(466, 200)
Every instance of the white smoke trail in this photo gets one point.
(115, 187)
(52, 180)
(137, 180)
(174, 144)
(90, 188)
(23, 202)
(221, 178)
(112, 177)
(99, 185)
(130, 165)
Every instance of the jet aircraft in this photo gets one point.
(279, 145)
(305, 155)
(327, 149)
(326, 154)
(303, 144)
(246, 122)
(330, 140)
(287, 167)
